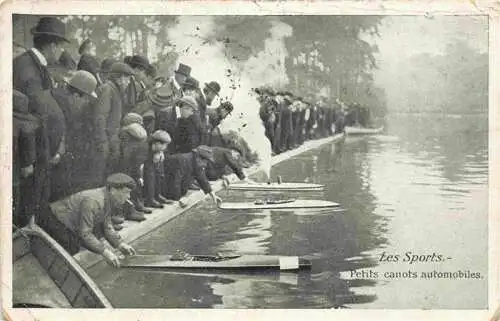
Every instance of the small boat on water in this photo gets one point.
(277, 204)
(355, 130)
(219, 263)
(44, 275)
(276, 186)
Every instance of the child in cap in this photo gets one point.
(154, 171)
(133, 153)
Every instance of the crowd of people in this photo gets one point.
(99, 142)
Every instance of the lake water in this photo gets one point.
(422, 190)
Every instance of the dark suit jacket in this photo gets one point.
(29, 76)
(223, 158)
(180, 172)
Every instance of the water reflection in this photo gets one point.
(426, 190)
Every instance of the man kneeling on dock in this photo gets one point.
(82, 218)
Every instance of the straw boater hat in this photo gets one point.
(162, 96)
(84, 81)
(51, 27)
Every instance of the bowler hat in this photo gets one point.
(162, 136)
(205, 152)
(84, 81)
(120, 180)
(213, 86)
(190, 101)
(184, 70)
(51, 27)
(162, 96)
(137, 61)
(120, 68)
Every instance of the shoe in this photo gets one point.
(135, 216)
(117, 219)
(194, 187)
(163, 200)
(141, 208)
(153, 204)
(118, 227)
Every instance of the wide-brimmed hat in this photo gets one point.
(162, 96)
(84, 81)
(119, 68)
(183, 70)
(213, 86)
(50, 26)
(137, 61)
(205, 152)
(190, 101)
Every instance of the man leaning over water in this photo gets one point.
(82, 218)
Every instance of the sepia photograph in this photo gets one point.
(250, 161)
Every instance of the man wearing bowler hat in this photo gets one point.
(210, 91)
(30, 74)
(188, 133)
(215, 117)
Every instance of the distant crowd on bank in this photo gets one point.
(102, 141)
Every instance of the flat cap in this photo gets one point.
(205, 152)
(162, 136)
(132, 118)
(135, 131)
(120, 180)
(190, 101)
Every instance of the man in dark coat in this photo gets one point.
(286, 123)
(188, 133)
(224, 158)
(183, 169)
(133, 154)
(136, 89)
(215, 118)
(82, 218)
(72, 99)
(30, 74)
(108, 113)
(24, 130)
